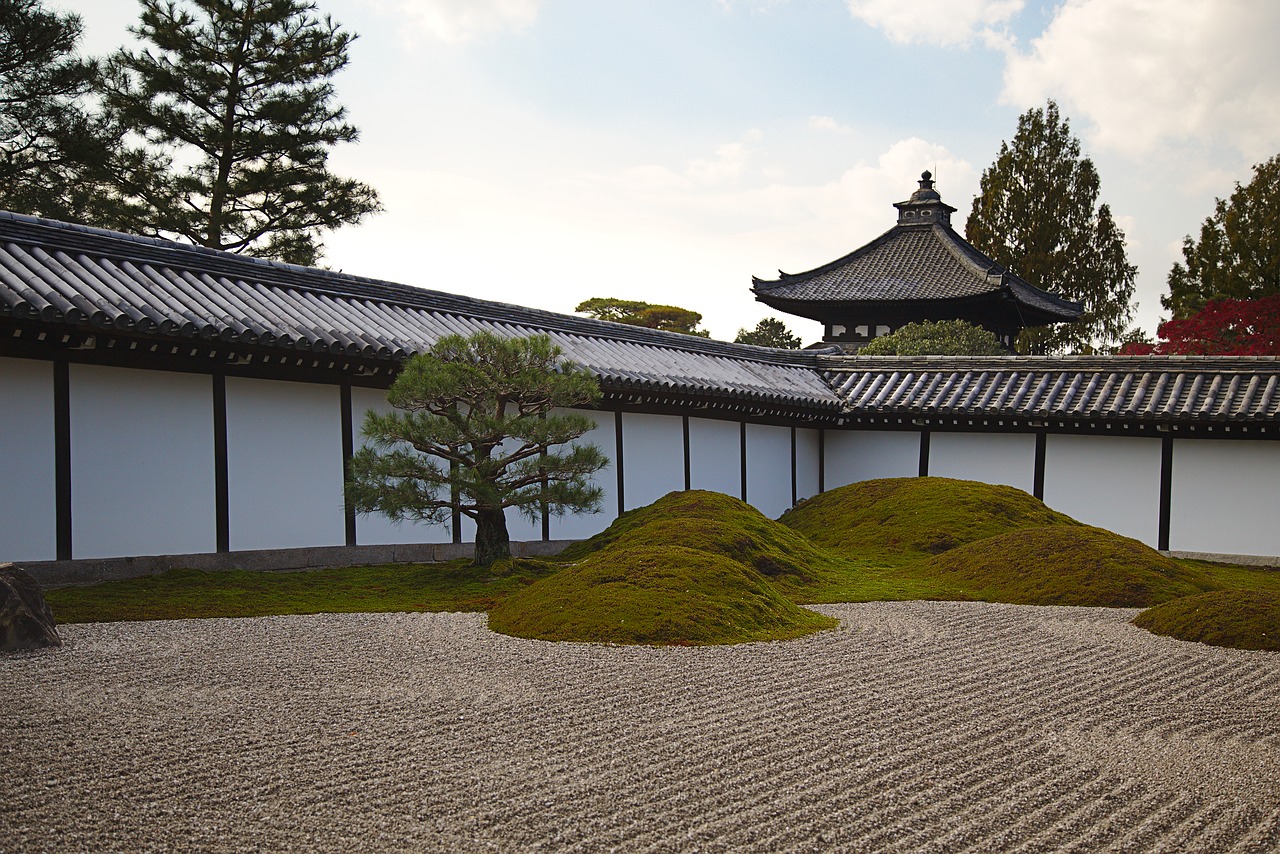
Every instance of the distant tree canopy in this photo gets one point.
(231, 110)
(669, 318)
(936, 338)
(1037, 214)
(1238, 254)
(769, 332)
(53, 151)
(1226, 327)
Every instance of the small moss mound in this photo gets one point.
(655, 595)
(914, 517)
(719, 524)
(1242, 619)
(1063, 565)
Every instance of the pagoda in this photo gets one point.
(920, 269)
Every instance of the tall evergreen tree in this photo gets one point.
(1038, 214)
(234, 99)
(52, 149)
(1238, 254)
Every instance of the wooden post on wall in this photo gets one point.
(1166, 491)
(617, 438)
(1042, 442)
(62, 457)
(924, 453)
(221, 489)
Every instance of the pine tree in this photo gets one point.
(769, 332)
(475, 432)
(1238, 254)
(1038, 214)
(234, 100)
(52, 149)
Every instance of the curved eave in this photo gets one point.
(1005, 303)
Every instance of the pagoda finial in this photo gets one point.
(926, 180)
(925, 207)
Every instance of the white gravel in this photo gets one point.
(913, 727)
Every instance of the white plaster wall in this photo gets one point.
(284, 464)
(374, 528)
(1226, 497)
(856, 455)
(769, 469)
(582, 525)
(28, 525)
(807, 462)
(652, 457)
(1008, 458)
(1112, 482)
(142, 470)
(715, 455)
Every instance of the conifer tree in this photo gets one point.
(233, 100)
(475, 432)
(1038, 214)
(52, 149)
(1238, 254)
(769, 332)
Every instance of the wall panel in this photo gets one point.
(1110, 482)
(28, 525)
(807, 462)
(374, 528)
(142, 473)
(769, 469)
(1008, 458)
(854, 455)
(652, 457)
(715, 455)
(582, 525)
(284, 464)
(1226, 496)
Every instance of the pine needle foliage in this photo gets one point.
(231, 104)
(474, 429)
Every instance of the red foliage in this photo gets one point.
(1231, 327)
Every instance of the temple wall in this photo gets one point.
(856, 455)
(1225, 497)
(1008, 458)
(769, 468)
(809, 458)
(1110, 482)
(28, 525)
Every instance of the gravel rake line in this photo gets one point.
(913, 727)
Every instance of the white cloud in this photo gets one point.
(1146, 72)
(463, 20)
(938, 22)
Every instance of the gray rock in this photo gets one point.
(25, 619)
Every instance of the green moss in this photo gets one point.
(655, 595)
(907, 518)
(1243, 619)
(187, 593)
(719, 524)
(1062, 565)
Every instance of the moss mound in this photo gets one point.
(719, 524)
(655, 595)
(1243, 619)
(914, 517)
(1063, 565)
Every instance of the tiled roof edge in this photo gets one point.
(162, 251)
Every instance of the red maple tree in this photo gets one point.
(1229, 327)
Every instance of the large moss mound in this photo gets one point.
(655, 595)
(913, 517)
(719, 524)
(1243, 619)
(1063, 565)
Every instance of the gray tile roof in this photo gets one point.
(90, 279)
(910, 263)
(1150, 389)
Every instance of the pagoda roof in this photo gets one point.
(919, 262)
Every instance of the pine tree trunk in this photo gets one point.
(492, 541)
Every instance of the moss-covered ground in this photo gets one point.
(186, 593)
(907, 518)
(1244, 619)
(701, 567)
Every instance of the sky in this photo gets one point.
(542, 152)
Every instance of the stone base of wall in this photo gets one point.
(1271, 561)
(61, 573)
